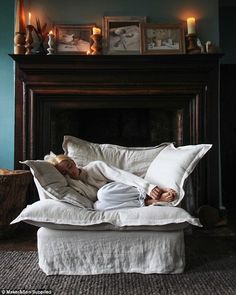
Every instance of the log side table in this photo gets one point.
(13, 188)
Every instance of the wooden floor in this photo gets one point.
(22, 238)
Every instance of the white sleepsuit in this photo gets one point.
(110, 187)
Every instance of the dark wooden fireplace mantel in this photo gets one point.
(184, 85)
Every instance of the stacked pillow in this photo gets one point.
(165, 166)
(133, 159)
(53, 185)
(173, 165)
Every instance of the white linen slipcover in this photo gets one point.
(99, 252)
(59, 215)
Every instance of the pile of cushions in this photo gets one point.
(163, 165)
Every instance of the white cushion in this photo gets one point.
(133, 159)
(59, 215)
(173, 165)
(51, 184)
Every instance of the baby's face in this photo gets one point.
(68, 167)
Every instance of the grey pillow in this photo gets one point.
(51, 184)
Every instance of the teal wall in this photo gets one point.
(78, 12)
(7, 107)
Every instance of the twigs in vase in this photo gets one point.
(41, 33)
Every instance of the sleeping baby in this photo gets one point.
(110, 187)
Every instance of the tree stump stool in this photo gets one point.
(13, 188)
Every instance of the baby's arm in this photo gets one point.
(99, 170)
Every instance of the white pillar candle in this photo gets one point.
(191, 25)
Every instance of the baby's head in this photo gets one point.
(64, 164)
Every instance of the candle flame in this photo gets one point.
(191, 19)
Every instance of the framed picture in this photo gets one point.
(73, 39)
(122, 34)
(163, 39)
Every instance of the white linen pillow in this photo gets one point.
(133, 159)
(173, 165)
(59, 215)
(51, 184)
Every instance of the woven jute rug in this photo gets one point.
(210, 269)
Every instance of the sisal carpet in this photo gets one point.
(210, 269)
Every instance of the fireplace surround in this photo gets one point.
(134, 100)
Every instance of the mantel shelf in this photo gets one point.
(115, 59)
(129, 63)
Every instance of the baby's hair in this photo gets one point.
(56, 159)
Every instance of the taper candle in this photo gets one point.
(20, 28)
(50, 43)
(20, 17)
(29, 18)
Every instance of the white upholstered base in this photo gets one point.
(96, 252)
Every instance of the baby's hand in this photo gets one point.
(156, 193)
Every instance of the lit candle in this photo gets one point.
(191, 25)
(29, 19)
(96, 31)
(50, 43)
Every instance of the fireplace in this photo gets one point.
(125, 100)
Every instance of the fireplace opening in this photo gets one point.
(128, 120)
(127, 127)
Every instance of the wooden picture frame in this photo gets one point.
(73, 39)
(122, 34)
(163, 39)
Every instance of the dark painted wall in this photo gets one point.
(227, 16)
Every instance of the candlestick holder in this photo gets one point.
(19, 42)
(50, 44)
(192, 47)
(29, 39)
(97, 44)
